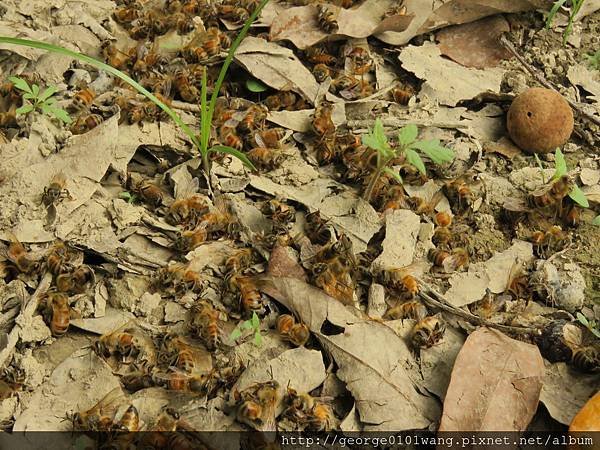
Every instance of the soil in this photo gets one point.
(159, 291)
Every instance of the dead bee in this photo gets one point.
(327, 19)
(333, 283)
(318, 55)
(189, 240)
(256, 405)
(321, 72)
(402, 282)
(18, 256)
(149, 192)
(220, 218)
(326, 150)
(362, 62)
(85, 123)
(322, 123)
(518, 282)
(449, 262)
(126, 15)
(316, 229)
(250, 297)
(9, 118)
(187, 91)
(401, 95)
(230, 138)
(182, 23)
(460, 194)
(234, 14)
(270, 138)
(77, 281)
(130, 420)
(83, 99)
(265, 158)
(187, 211)
(130, 344)
(295, 332)
(428, 332)
(180, 380)
(178, 278)
(239, 261)
(551, 195)
(410, 310)
(57, 312)
(100, 417)
(57, 259)
(586, 358)
(287, 100)
(281, 214)
(56, 190)
(205, 323)
(115, 57)
(343, 82)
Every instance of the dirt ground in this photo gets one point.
(135, 296)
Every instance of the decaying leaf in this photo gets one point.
(495, 385)
(384, 380)
(446, 81)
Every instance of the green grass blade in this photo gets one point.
(553, 11)
(232, 151)
(117, 73)
(238, 40)
(205, 123)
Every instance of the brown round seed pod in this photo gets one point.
(540, 120)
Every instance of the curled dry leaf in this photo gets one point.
(384, 380)
(588, 419)
(299, 25)
(495, 384)
(284, 263)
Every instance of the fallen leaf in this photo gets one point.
(401, 231)
(283, 262)
(444, 80)
(588, 419)
(504, 147)
(384, 380)
(476, 44)
(299, 25)
(495, 384)
(580, 75)
(438, 361)
(563, 404)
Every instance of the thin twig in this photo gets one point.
(184, 106)
(540, 78)
(25, 316)
(398, 123)
(441, 303)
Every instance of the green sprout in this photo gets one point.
(39, 101)
(573, 10)
(591, 325)
(593, 60)
(201, 141)
(596, 221)
(539, 163)
(128, 197)
(408, 147)
(560, 169)
(250, 324)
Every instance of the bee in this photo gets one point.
(250, 297)
(441, 237)
(280, 213)
(56, 260)
(56, 190)
(148, 59)
(83, 99)
(571, 213)
(362, 62)
(438, 257)
(239, 261)
(395, 199)
(85, 123)
(410, 310)
(212, 42)
(322, 123)
(189, 240)
(178, 353)
(179, 277)
(57, 313)
(234, 14)
(442, 219)
(183, 23)
(290, 330)
(399, 280)
(327, 19)
(428, 332)
(77, 281)
(126, 15)
(318, 55)
(287, 100)
(192, 7)
(187, 211)
(100, 417)
(551, 195)
(401, 95)
(316, 229)
(343, 82)
(586, 358)
(518, 282)
(270, 138)
(20, 257)
(205, 323)
(265, 158)
(9, 118)
(396, 10)
(115, 57)
(328, 280)
(219, 218)
(130, 420)
(230, 138)
(179, 380)
(321, 72)
(256, 405)
(459, 193)
(254, 117)
(194, 52)
(321, 417)
(149, 192)
(129, 343)
(187, 91)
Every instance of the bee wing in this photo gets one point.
(59, 178)
(515, 205)
(236, 118)
(259, 140)
(109, 403)
(542, 190)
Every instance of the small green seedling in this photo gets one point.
(128, 197)
(41, 101)
(251, 324)
(591, 325)
(408, 147)
(256, 86)
(593, 60)
(573, 10)
(576, 193)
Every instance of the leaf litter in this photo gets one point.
(286, 218)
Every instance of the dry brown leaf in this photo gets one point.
(384, 380)
(299, 25)
(283, 262)
(495, 384)
(446, 81)
(431, 15)
(588, 419)
(476, 44)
